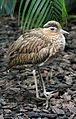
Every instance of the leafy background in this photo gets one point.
(40, 11)
(35, 13)
(7, 7)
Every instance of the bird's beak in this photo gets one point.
(64, 32)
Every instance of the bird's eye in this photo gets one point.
(52, 29)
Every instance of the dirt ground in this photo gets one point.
(17, 88)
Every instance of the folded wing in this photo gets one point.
(31, 47)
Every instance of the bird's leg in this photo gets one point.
(48, 95)
(44, 89)
(35, 79)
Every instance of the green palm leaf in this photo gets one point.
(64, 11)
(28, 15)
(37, 12)
(32, 14)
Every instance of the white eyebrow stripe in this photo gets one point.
(52, 27)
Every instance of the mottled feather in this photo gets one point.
(35, 46)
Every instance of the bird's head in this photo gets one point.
(54, 27)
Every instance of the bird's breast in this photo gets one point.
(58, 43)
(61, 42)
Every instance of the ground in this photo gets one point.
(17, 88)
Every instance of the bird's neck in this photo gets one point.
(50, 34)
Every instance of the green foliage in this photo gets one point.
(73, 1)
(37, 12)
(7, 7)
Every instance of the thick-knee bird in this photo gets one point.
(37, 47)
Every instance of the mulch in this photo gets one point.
(17, 87)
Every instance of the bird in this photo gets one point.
(38, 46)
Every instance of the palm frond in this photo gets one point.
(64, 11)
(36, 12)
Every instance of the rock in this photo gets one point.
(68, 79)
(57, 110)
(1, 116)
(66, 97)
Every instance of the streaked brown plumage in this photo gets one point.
(37, 45)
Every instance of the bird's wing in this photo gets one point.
(27, 42)
(31, 47)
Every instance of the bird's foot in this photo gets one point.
(38, 97)
(48, 95)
